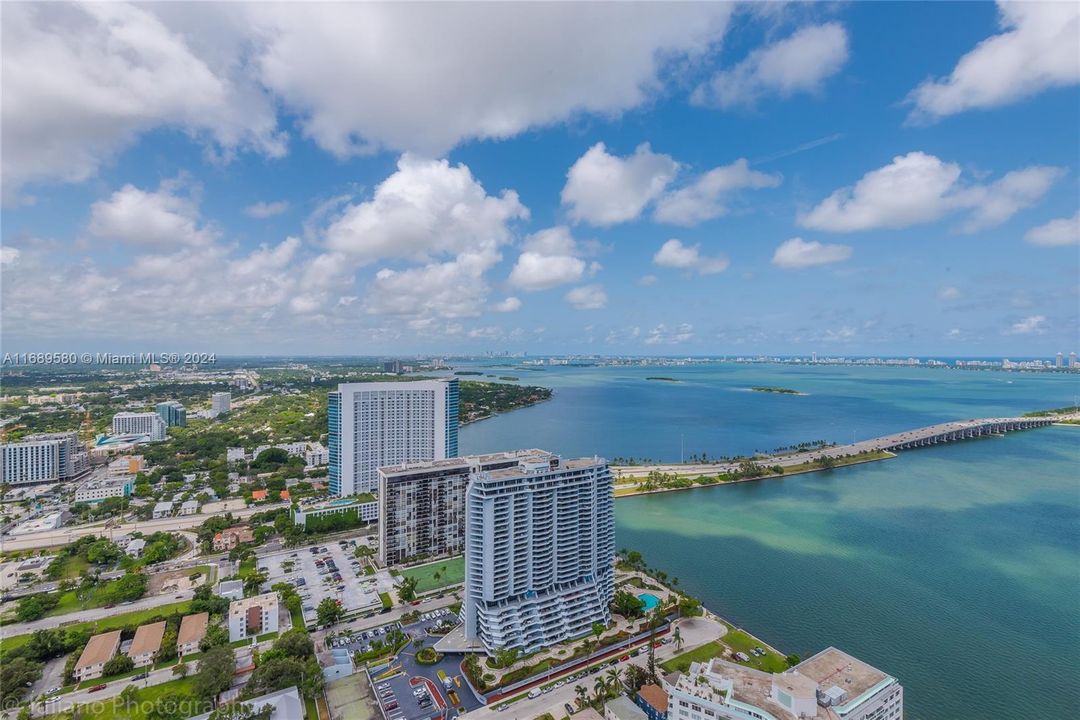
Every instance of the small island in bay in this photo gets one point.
(662, 378)
(468, 372)
(781, 390)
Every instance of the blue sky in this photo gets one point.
(871, 178)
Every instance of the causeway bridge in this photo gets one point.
(921, 437)
(953, 431)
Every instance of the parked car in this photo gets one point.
(569, 708)
(96, 688)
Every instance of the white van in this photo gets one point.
(534, 693)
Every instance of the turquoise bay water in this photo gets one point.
(955, 568)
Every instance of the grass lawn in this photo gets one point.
(737, 641)
(450, 572)
(247, 567)
(145, 699)
(387, 603)
(298, 619)
(311, 711)
(74, 568)
(112, 622)
(114, 709)
(699, 654)
(266, 636)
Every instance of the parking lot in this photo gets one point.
(418, 692)
(327, 571)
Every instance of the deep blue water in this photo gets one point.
(955, 568)
(616, 412)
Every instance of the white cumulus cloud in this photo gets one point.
(82, 82)
(703, 199)
(1031, 325)
(674, 254)
(797, 64)
(604, 189)
(263, 210)
(162, 218)
(422, 78)
(587, 297)
(797, 253)
(549, 258)
(919, 188)
(1056, 233)
(663, 335)
(948, 293)
(425, 209)
(507, 305)
(1036, 51)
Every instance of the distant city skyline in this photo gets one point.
(699, 179)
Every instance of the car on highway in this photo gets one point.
(97, 687)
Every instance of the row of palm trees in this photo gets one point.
(606, 686)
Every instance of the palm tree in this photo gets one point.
(600, 688)
(677, 637)
(613, 679)
(582, 695)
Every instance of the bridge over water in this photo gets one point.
(921, 437)
(953, 431)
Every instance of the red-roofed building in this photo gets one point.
(284, 494)
(258, 495)
(654, 701)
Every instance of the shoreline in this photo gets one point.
(771, 476)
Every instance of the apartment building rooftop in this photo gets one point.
(835, 668)
(193, 628)
(467, 461)
(239, 607)
(99, 649)
(723, 682)
(147, 639)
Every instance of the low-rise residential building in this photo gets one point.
(163, 509)
(231, 589)
(144, 648)
(831, 685)
(192, 631)
(135, 548)
(365, 507)
(284, 705)
(189, 507)
(316, 454)
(99, 650)
(253, 616)
(97, 490)
(653, 700)
(236, 454)
(232, 537)
(126, 465)
(623, 708)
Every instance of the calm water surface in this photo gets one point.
(955, 568)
